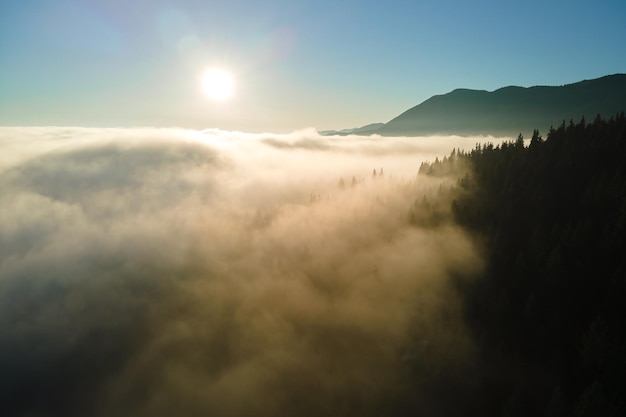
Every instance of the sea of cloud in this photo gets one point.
(159, 272)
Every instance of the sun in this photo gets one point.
(218, 84)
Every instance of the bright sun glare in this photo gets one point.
(218, 84)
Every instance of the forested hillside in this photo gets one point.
(549, 313)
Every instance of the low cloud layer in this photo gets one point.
(158, 272)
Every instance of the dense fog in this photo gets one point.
(159, 272)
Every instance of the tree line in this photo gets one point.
(549, 311)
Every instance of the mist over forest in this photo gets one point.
(172, 272)
(154, 272)
(312, 208)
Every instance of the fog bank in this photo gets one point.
(153, 272)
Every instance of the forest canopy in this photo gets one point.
(549, 310)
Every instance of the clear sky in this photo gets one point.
(296, 64)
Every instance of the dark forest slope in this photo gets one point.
(511, 110)
(550, 311)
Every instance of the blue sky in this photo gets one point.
(296, 64)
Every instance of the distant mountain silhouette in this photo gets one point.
(509, 111)
(363, 130)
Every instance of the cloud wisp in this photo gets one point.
(153, 272)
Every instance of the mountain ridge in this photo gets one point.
(509, 110)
